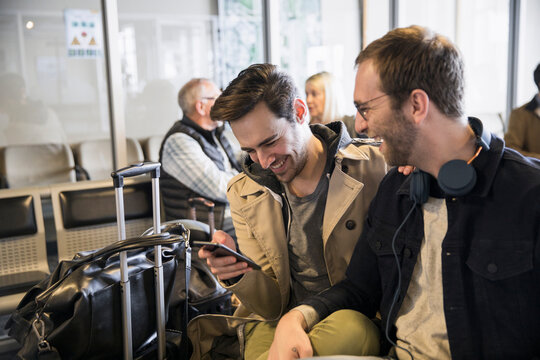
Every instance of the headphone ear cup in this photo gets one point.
(456, 178)
(419, 188)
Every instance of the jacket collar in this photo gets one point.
(334, 135)
(485, 165)
(208, 135)
(533, 104)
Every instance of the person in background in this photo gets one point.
(197, 158)
(325, 104)
(157, 100)
(24, 121)
(450, 255)
(297, 207)
(523, 132)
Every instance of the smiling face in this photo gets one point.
(397, 131)
(272, 142)
(315, 98)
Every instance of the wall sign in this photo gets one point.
(84, 33)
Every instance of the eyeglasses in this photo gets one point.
(363, 109)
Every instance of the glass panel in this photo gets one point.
(377, 20)
(483, 40)
(53, 87)
(484, 43)
(158, 57)
(241, 36)
(529, 52)
(160, 51)
(302, 51)
(438, 15)
(322, 35)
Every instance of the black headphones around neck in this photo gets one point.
(456, 177)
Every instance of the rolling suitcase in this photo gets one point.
(83, 310)
(134, 170)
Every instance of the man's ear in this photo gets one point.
(199, 107)
(418, 105)
(301, 111)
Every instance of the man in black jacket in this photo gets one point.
(197, 157)
(523, 132)
(449, 256)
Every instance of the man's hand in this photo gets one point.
(224, 267)
(291, 340)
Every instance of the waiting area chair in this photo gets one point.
(23, 254)
(85, 213)
(37, 165)
(3, 178)
(95, 156)
(151, 147)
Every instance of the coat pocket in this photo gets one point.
(497, 259)
(380, 241)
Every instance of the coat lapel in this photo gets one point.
(342, 190)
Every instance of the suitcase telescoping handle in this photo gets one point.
(137, 169)
(118, 180)
(206, 203)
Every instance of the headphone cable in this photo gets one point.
(396, 293)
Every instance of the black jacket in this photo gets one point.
(490, 258)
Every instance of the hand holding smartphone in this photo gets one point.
(219, 250)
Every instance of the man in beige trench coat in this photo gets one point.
(298, 209)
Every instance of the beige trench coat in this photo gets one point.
(258, 220)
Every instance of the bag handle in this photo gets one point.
(117, 247)
(207, 204)
(131, 244)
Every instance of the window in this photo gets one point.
(61, 97)
(483, 41)
(241, 36)
(161, 49)
(529, 52)
(376, 20)
(321, 35)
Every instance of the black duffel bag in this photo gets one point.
(76, 312)
(206, 295)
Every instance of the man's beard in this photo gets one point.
(399, 138)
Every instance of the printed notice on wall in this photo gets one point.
(84, 33)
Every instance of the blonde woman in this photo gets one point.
(325, 103)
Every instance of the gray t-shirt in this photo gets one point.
(306, 259)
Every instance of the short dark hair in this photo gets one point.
(416, 58)
(259, 82)
(537, 77)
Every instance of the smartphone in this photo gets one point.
(221, 250)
